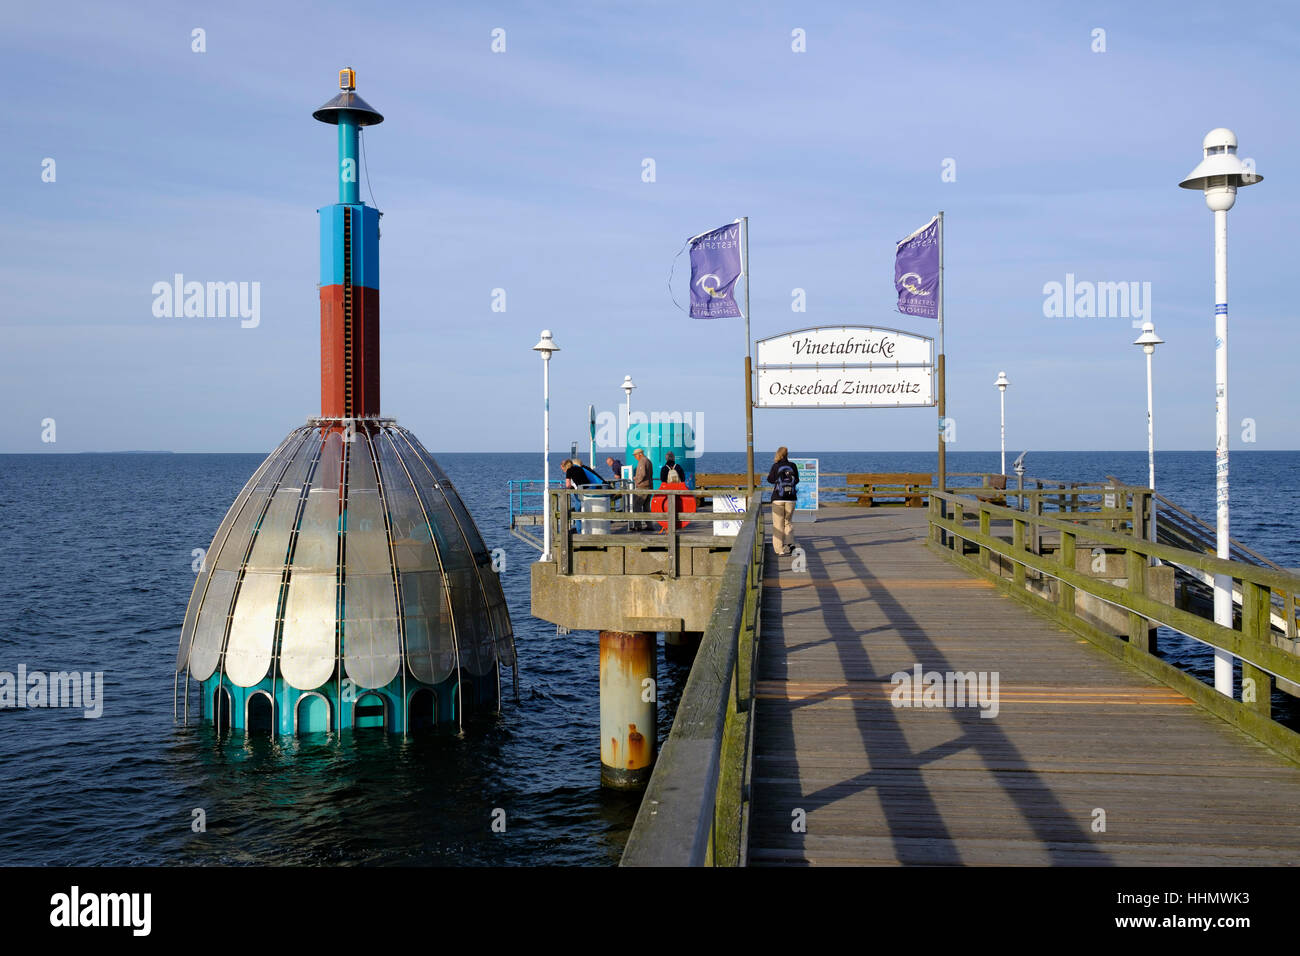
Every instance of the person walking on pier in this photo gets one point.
(783, 477)
(642, 477)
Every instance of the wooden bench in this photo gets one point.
(995, 483)
(727, 480)
(910, 487)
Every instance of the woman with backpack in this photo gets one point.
(671, 471)
(783, 477)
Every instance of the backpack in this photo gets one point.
(785, 479)
(673, 474)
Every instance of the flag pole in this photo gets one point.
(749, 375)
(940, 371)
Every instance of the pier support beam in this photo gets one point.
(681, 645)
(628, 709)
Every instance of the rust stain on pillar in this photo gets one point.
(636, 753)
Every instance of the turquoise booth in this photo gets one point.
(657, 438)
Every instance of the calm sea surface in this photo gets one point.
(95, 572)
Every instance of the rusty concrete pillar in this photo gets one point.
(628, 708)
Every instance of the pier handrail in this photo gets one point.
(565, 539)
(1204, 533)
(1262, 659)
(695, 811)
(520, 490)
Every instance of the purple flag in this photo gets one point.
(715, 267)
(916, 272)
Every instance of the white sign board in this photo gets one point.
(846, 366)
(845, 387)
(733, 504)
(846, 345)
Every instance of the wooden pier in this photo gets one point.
(1088, 761)
(978, 682)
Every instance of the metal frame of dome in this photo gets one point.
(348, 569)
(325, 518)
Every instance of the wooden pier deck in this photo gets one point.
(1077, 731)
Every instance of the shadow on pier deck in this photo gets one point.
(1088, 761)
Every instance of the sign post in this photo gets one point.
(749, 372)
(942, 478)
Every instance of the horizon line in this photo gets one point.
(877, 451)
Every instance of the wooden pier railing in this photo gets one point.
(682, 530)
(695, 810)
(961, 530)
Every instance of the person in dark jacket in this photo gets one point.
(783, 477)
(671, 471)
(575, 476)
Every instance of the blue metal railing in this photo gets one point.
(526, 496)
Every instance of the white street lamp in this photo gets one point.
(546, 346)
(1149, 340)
(1218, 175)
(1002, 384)
(627, 387)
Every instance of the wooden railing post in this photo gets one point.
(1066, 557)
(674, 560)
(958, 516)
(985, 557)
(1036, 544)
(1256, 684)
(1137, 584)
(1017, 549)
(564, 536)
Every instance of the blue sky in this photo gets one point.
(522, 171)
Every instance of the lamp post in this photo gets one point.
(546, 346)
(627, 387)
(1149, 340)
(1002, 384)
(1218, 175)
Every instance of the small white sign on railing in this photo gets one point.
(731, 504)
